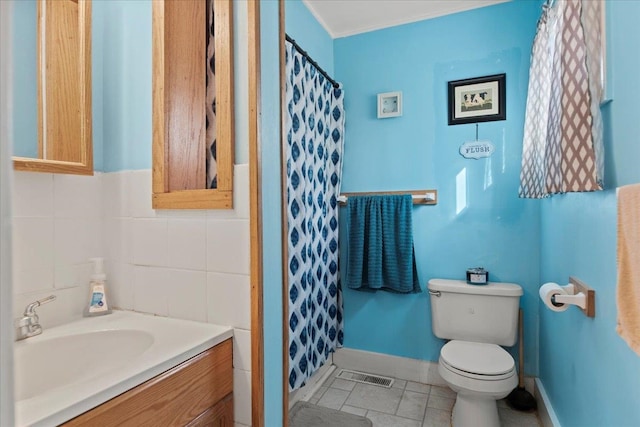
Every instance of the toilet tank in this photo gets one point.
(478, 313)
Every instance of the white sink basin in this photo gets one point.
(74, 367)
(57, 362)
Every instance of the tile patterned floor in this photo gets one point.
(407, 404)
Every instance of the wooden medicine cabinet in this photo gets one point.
(63, 70)
(193, 123)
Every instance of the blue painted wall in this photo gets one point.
(271, 213)
(25, 98)
(623, 46)
(127, 85)
(588, 371)
(97, 82)
(303, 27)
(479, 219)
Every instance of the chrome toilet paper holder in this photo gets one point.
(578, 294)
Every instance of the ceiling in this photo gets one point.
(343, 18)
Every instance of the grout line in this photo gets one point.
(421, 420)
(428, 399)
(399, 402)
(397, 416)
(424, 412)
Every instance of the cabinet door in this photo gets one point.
(183, 104)
(62, 62)
(173, 398)
(221, 415)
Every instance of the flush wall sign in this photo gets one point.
(476, 149)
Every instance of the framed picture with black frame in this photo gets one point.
(481, 99)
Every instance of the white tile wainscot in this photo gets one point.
(186, 264)
(57, 227)
(190, 265)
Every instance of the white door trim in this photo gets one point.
(6, 170)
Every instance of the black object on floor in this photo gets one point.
(519, 398)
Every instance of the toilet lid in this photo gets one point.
(477, 358)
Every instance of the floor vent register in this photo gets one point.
(362, 377)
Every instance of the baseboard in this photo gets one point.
(530, 385)
(402, 368)
(312, 385)
(545, 410)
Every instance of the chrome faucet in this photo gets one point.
(29, 324)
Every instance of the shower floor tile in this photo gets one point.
(407, 403)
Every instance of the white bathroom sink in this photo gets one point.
(57, 362)
(72, 368)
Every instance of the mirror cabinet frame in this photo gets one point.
(179, 115)
(60, 109)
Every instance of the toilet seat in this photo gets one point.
(481, 361)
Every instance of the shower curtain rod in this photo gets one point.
(314, 63)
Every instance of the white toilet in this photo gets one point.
(477, 320)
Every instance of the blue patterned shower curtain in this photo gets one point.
(315, 129)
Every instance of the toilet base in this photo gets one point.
(475, 411)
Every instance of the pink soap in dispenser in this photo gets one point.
(98, 290)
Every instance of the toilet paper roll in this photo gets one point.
(547, 291)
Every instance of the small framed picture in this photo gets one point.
(481, 99)
(389, 104)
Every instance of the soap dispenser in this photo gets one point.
(98, 304)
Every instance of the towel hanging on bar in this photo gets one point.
(380, 247)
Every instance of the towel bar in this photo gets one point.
(420, 197)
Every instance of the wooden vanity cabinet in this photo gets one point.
(218, 416)
(196, 393)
